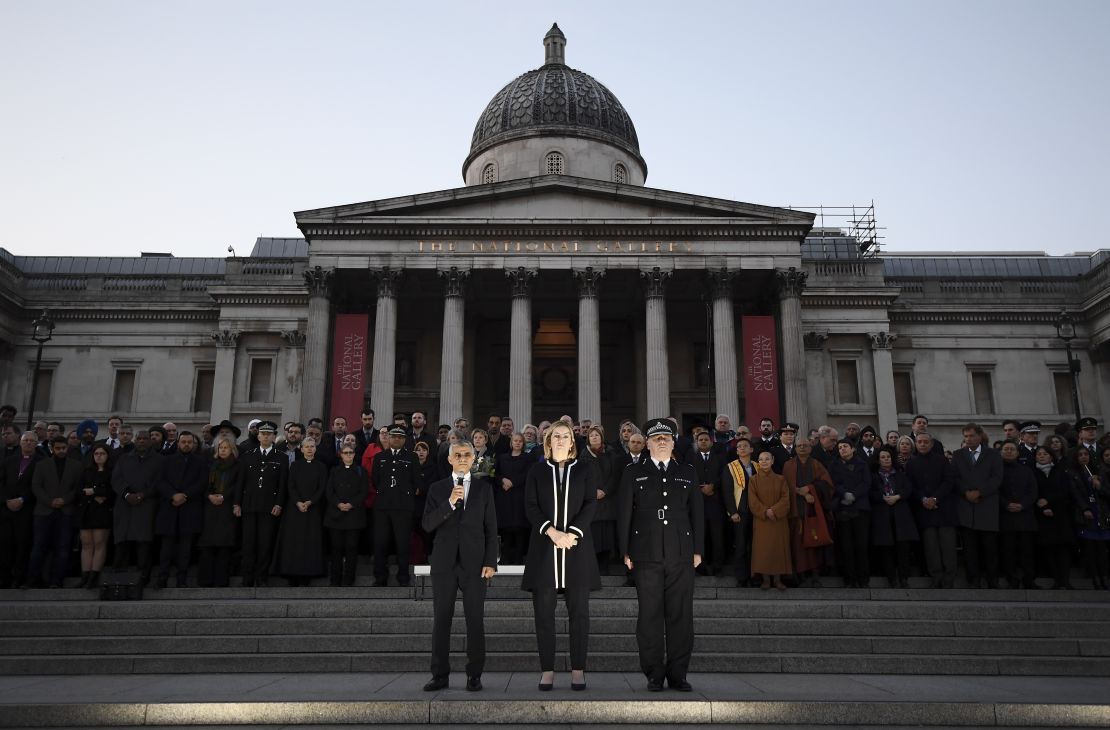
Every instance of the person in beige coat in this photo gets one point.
(770, 499)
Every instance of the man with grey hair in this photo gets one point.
(16, 519)
(460, 513)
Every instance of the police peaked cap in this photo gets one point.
(1087, 422)
(267, 426)
(1030, 427)
(656, 426)
(398, 431)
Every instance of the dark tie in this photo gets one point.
(462, 502)
(974, 457)
(662, 470)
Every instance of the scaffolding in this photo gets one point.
(841, 222)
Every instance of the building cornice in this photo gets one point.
(537, 229)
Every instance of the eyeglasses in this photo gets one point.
(347, 452)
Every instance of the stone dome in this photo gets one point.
(555, 100)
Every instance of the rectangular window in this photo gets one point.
(260, 380)
(903, 392)
(202, 392)
(982, 392)
(43, 390)
(702, 365)
(1062, 383)
(847, 381)
(123, 395)
(405, 370)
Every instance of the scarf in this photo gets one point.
(1045, 468)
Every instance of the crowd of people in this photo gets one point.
(303, 501)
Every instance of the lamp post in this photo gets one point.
(1065, 330)
(43, 332)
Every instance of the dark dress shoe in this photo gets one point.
(435, 684)
(655, 685)
(473, 684)
(680, 684)
(546, 687)
(160, 583)
(629, 583)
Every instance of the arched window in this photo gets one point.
(554, 163)
(620, 174)
(489, 173)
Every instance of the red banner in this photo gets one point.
(761, 371)
(348, 367)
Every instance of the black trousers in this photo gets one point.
(742, 532)
(15, 545)
(939, 546)
(176, 551)
(445, 587)
(665, 626)
(1058, 558)
(514, 544)
(212, 567)
(344, 556)
(578, 607)
(258, 545)
(853, 536)
(980, 556)
(1094, 558)
(392, 528)
(896, 561)
(1018, 558)
(715, 531)
(143, 555)
(52, 534)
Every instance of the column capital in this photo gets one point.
(319, 281)
(655, 282)
(521, 280)
(791, 281)
(814, 340)
(226, 338)
(293, 338)
(882, 340)
(720, 282)
(388, 280)
(588, 280)
(454, 281)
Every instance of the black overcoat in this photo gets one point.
(892, 524)
(1019, 485)
(300, 547)
(346, 484)
(220, 524)
(931, 475)
(186, 474)
(1055, 488)
(709, 472)
(510, 504)
(574, 513)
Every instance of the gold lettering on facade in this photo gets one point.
(563, 247)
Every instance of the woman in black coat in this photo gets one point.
(427, 475)
(218, 535)
(1055, 516)
(300, 546)
(604, 526)
(560, 499)
(94, 514)
(345, 516)
(508, 497)
(1017, 523)
(892, 524)
(1092, 515)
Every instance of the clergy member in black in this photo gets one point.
(560, 498)
(396, 475)
(461, 515)
(660, 528)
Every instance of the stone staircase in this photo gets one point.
(831, 630)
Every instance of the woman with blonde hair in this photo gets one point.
(560, 498)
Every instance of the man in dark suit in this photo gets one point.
(330, 446)
(767, 440)
(734, 491)
(460, 513)
(15, 513)
(979, 473)
(661, 534)
(709, 467)
(180, 513)
(54, 485)
(366, 434)
(869, 446)
(419, 432)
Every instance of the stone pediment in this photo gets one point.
(553, 202)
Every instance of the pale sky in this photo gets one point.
(190, 126)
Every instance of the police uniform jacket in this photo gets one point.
(657, 509)
(1026, 454)
(782, 455)
(396, 479)
(568, 506)
(346, 484)
(262, 480)
(136, 473)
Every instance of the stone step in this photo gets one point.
(525, 661)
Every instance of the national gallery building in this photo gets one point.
(556, 281)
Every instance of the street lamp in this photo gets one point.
(43, 332)
(1065, 330)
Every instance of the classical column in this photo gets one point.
(451, 362)
(520, 345)
(227, 341)
(293, 361)
(725, 380)
(657, 378)
(319, 283)
(885, 402)
(791, 283)
(589, 344)
(385, 341)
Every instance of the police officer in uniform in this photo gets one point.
(1030, 434)
(396, 474)
(258, 500)
(661, 531)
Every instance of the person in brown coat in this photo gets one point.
(770, 499)
(812, 486)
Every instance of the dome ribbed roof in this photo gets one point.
(555, 100)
